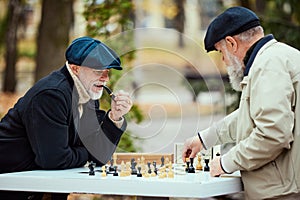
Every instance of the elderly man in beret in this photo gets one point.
(57, 124)
(266, 126)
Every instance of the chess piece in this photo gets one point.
(167, 161)
(115, 159)
(103, 174)
(162, 172)
(153, 171)
(162, 161)
(91, 167)
(170, 173)
(154, 167)
(149, 168)
(115, 171)
(139, 174)
(187, 166)
(206, 167)
(123, 169)
(133, 167)
(111, 167)
(199, 165)
(191, 168)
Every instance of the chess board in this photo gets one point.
(196, 185)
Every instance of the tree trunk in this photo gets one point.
(53, 36)
(179, 21)
(13, 15)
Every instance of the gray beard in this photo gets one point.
(236, 74)
(95, 96)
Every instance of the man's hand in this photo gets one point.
(121, 105)
(191, 147)
(215, 167)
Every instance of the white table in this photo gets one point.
(198, 185)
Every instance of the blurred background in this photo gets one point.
(177, 88)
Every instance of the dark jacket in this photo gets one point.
(43, 130)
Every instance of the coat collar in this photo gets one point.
(252, 52)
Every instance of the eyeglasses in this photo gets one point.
(101, 72)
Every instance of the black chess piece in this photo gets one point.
(133, 167)
(162, 161)
(149, 168)
(191, 168)
(139, 174)
(155, 168)
(206, 167)
(91, 167)
(111, 167)
(115, 171)
(187, 166)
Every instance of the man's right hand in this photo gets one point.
(191, 147)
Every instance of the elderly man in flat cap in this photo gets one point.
(266, 126)
(57, 124)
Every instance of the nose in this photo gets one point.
(104, 76)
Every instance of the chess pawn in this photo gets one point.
(206, 167)
(153, 172)
(162, 172)
(103, 174)
(123, 169)
(139, 174)
(199, 165)
(170, 173)
(191, 168)
(187, 166)
(146, 175)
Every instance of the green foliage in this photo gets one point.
(106, 19)
(282, 19)
(109, 17)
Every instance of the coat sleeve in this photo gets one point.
(271, 91)
(47, 122)
(98, 133)
(221, 132)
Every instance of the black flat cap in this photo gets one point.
(89, 52)
(231, 22)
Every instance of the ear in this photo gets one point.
(231, 43)
(75, 69)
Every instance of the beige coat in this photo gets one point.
(266, 127)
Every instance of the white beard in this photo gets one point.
(95, 96)
(236, 73)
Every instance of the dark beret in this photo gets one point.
(89, 52)
(231, 22)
